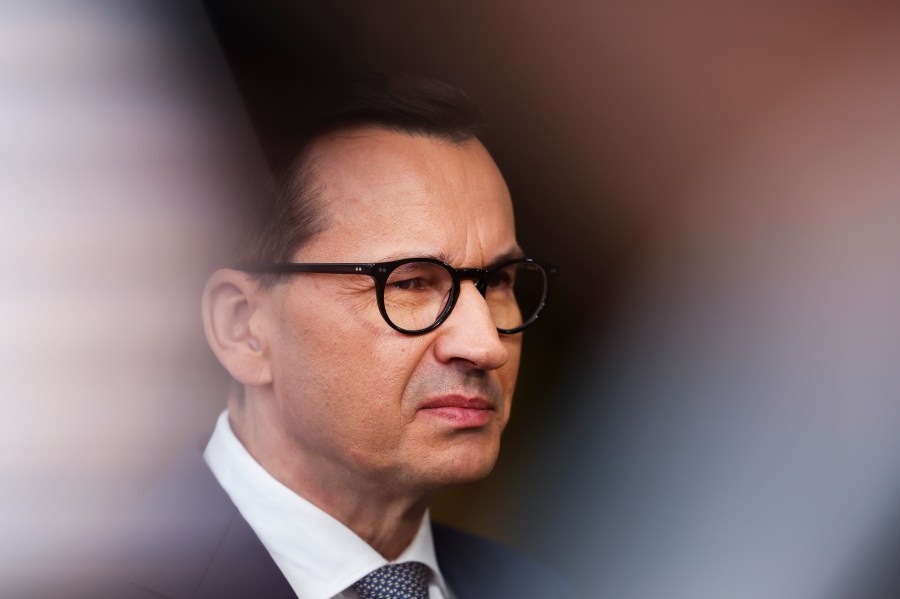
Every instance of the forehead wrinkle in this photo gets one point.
(477, 228)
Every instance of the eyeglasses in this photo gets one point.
(416, 295)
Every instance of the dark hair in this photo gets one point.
(288, 214)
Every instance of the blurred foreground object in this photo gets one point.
(118, 133)
(744, 409)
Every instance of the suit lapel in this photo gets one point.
(193, 543)
(241, 567)
(451, 559)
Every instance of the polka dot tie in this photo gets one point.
(408, 580)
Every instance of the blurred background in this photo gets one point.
(709, 407)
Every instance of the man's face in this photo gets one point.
(359, 401)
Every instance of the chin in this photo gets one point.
(462, 465)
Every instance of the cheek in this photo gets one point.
(339, 363)
(509, 372)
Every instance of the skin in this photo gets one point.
(333, 397)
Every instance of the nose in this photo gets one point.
(469, 333)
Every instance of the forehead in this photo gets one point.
(386, 194)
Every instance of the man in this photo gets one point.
(373, 330)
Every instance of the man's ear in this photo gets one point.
(231, 305)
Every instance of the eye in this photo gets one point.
(503, 278)
(412, 284)
(416, 276)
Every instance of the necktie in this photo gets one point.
(408, 580)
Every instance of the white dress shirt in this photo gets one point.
(320, 557)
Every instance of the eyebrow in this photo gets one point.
(510, 254)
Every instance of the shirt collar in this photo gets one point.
(319, 556)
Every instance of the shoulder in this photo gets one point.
(477, 567)
(186, 538)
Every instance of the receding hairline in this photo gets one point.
(310, 166)
(361, 129)
(294, 208)
(305, 163)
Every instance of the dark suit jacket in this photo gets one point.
(189, 540)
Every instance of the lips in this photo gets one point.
(459, 411)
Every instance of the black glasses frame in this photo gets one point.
(380, 271)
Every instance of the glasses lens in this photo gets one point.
(416, 294)
(515, 294)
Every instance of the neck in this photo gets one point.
(387, 519)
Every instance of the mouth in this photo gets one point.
(460, 411)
